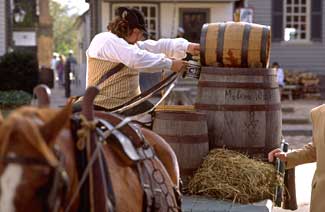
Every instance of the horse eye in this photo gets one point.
(42, 191)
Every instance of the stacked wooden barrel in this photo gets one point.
(187, 133)
(236, 90)
(238, 100)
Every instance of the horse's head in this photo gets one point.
(29, 165)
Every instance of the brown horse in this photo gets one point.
(33, 142)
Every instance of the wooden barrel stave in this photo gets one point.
(186, 132)
(235, 44)
(242, 129)
(243, 108)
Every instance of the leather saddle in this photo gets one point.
(128, 138)
(134, 150)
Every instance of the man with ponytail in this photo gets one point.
(123, 44)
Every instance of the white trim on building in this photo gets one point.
(3, 27)
(150, 12)
(169, 13)
(296, 20)
(170, 16)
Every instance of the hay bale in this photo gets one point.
(229, 175)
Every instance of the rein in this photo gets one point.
(128, 119)
(169, 81)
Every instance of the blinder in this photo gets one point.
(58, 185)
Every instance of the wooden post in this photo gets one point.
(95, 14)
(44, 35)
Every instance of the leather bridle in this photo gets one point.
(59, 183)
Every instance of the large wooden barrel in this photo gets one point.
(187, 133)
(235, 44)
(243, 108)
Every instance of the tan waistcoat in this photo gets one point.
(118, 89)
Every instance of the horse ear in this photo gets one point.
(52, 127)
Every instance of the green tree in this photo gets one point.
(64, 34)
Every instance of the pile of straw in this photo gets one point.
(229, 175)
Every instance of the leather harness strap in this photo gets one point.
(81, 159)
(110, 73)
(153, 182)
(157, 196)
(132, 144)
(137, 99)
(148, 93)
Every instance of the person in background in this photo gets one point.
(280, 74)
(70, 67)
(123, 43)
(72, 60)
(73, 67)
(312, 152)
(54, 61)
(60, 70)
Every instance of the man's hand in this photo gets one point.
(179, 65)
(278, 154)
(193, 49)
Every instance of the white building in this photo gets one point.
(82, 26)
(165, 16)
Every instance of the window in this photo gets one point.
(296, 20)
(192, 20)
(150, 12)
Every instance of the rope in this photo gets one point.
(84, 139)
(84, 132)
(84, 176)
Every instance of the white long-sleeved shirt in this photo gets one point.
(106, 50)
(149, 55)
